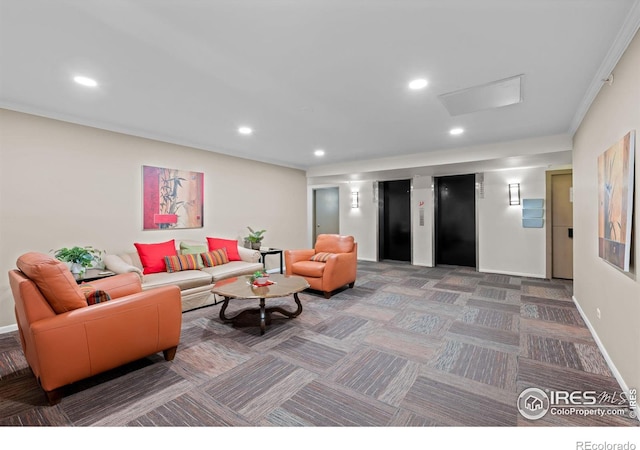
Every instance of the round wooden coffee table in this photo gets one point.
(241, 288)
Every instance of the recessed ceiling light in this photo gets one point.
(417, 84)
(85, 81)
(245, 130)
(456, 131)
(319, 152)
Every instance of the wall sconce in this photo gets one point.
(354, 200)
(514, 194)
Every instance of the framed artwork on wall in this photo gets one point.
(172, 198)
(615, 202)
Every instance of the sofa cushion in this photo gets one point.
(188, 248)
(54, 280)
(186, 279)
(152, 255)
(308, 268)
(321, 256)
(179, 263)
(232, 269)
(229, 244)
(215, 257)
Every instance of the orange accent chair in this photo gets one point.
(331, 264)
(65, 339)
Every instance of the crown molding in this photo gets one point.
(623, 39)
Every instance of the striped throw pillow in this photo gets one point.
(215, 257)
(321, 256)
(181, 262)
(93, 295)
(98, 296)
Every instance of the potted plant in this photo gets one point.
(78, 258)
(259, 277)
(255, 238)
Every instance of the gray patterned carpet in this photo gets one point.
(407, 347)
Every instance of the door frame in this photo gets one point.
(549, 174)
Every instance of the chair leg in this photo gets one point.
(351, 285)
(170, 353)
(54, 397)
(327, 294)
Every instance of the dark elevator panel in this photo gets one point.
(456, 220)
(395, 220)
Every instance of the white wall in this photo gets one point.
(504, 245)
(361, 222)
(422, 235)
(597, 284)
(63, 184)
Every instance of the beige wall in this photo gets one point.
(63, 184)
(615, 111)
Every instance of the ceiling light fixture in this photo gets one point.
(319, 152)
(418, 84)
(85, 81)
(245, 130)
(456, 131)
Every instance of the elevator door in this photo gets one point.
(395, 220)
(456, 220)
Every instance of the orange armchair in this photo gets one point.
(66, 340)
(331, 264)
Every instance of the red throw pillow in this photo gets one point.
(229, 244)
(152, 255)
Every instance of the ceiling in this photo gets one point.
(309, 74)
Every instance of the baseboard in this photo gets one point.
(8, 329)
(513, 274)
(614, 370)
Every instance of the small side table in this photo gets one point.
(270, 251)
(92, 275)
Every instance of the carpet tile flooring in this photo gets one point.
(408, 346)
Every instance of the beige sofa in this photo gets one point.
(195, 285)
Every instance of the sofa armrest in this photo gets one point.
(248, 255)
(340, 269)
(118, 265)
(119, 285)
(293, 256)
(341, 263)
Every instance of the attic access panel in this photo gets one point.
(486, 96)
